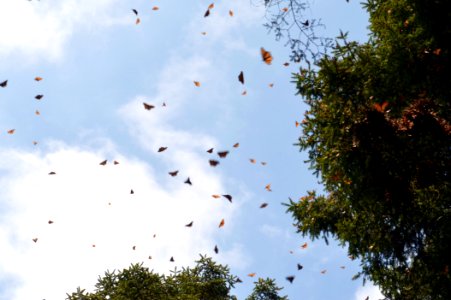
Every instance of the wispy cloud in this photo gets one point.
(36, 30)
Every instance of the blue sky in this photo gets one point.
(98, 67)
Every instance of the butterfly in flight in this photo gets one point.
(172, 259)
(173, 173)
(210, 150)
(37, 78)
(228, 197)
(263, 205)
(11, 131)
(290, 278)
(197, 83)
(380, 107)
(251, 274)
(155, 8)
(39, 97)
(50, 222)
(216, 249)
(132, 192)
(103, 163)
(188, 181)
(266, 56)
(189, 224)
(304, 246)
(213, 162)
(268, 187)
(300, 267)
(148, 106)
(52, 173)
(134, 247)
(4, 84)
(223, 154)
(161, 149)
(236, 145)
(221, 224)
(241, 77)
(216, 196)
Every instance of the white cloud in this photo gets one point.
(92, 205)
(369, 290)
(41, 29)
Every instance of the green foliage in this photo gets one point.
(266, 289)
(207, 280)
(378, 134)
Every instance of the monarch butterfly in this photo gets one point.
(148, 106)
(228, 197)
(241, 77)
(304, 246)
(251, 274)
(161, 149)
(197, 83)
(236, 145)
(11, 131)
(172, 259)
(39, 97)
(266, 56)
(213, 162)
(290, 278)
(216, 249)
(268, 187)
(155, 8)
(173, 173)
(35, 240)
(300, 267)
(37, 78)
(50, 222)
(189, 224)
(263, 205)
(221, 224)
(216, 196)
(380, 107)
(4, 83)
(210, 150)
(103, 163)
(223, 154)
(188, 181)
(231, 13)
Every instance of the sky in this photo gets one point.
(98, 67)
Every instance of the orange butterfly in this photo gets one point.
(37, 113)
(231, 13)
(216, 196)
(148, 106)
(244, 93)
(11, 131)
(252, 160)
(138, 20)
(221, 224)
(266, 56)
(268, 187)
(155, 8)
(236, 145)
(304, 246)
(37, 78)
(197, 83)
(380, 107)
(251, 274)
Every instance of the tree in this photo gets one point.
(266, 289)
(378, 134)
(207, 280)
(287, 20)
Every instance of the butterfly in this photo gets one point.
(306, 23)
(285, 9)
(155, 8)
(189, 224)
(39, 97)
(148, 106)
(300, 267)
(241, 77)
(323, 271)
(171, 259)
(135, 11)
(236, 145)
(244, 93)
(216, 196)
(35, 240)
(231, 13)
(138, 20)
(161, 149)
(11, 131)
(238, 280)
(251, 274)
(213, 162)
(37, 78)
(216, 249)
(286, 64)
(266, 56)
(228, 197)
(188, 181)
(290, 278)
(4, 84)
(210, 150)
(134, 247)
(207, 13)
(221, 224)
(268, 187)
(52, 173)
(197, 83)
(103, 163)
(115, 162)
(132, 192)
(304, 246)
(380, 107)
(252, 160)
(263, 205)
(37, 113)
(223, 154)
(173, 173)
(50, 222)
